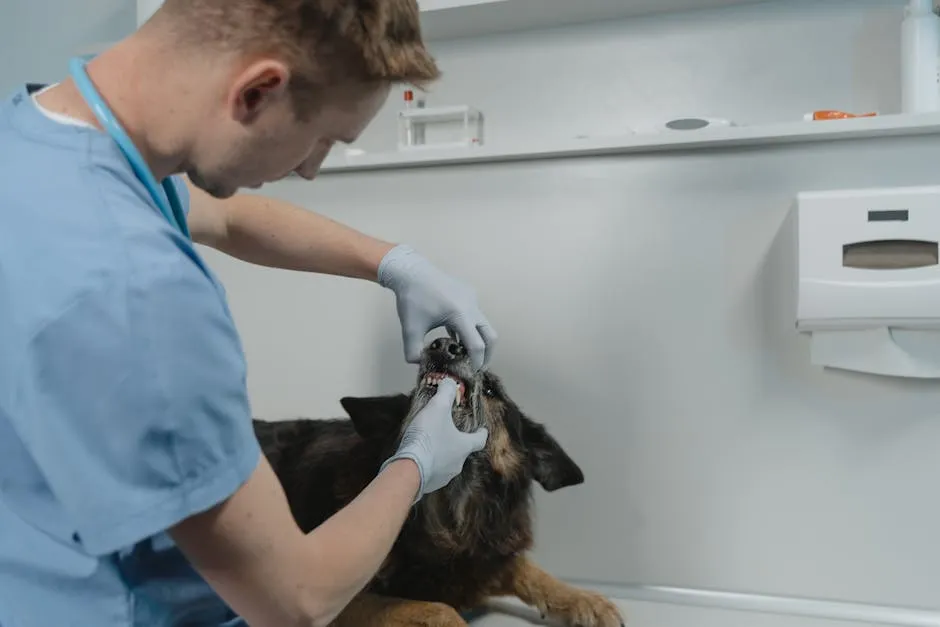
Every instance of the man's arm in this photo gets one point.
(277, 234)
(250, 550)
(252, 553)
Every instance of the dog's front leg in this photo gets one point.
(370, 610)
(556, 599)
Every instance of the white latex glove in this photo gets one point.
(435, 444)
(427, 299)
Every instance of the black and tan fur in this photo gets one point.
(462, 544)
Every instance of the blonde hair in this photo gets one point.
(324, 41)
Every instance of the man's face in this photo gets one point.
(258, 138)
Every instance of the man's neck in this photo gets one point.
(149, 103)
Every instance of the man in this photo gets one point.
(125, 434)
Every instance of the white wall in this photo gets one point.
(37, 37)
(657, 342)
(657, 336)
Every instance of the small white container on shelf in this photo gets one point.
(424, 128)
(920, 49)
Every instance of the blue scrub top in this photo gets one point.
(123, 401)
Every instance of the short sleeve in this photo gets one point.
(137, 412)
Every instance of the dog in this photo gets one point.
(460, 545)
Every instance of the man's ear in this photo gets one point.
(550, 465)
(258, 85)
(376, 417)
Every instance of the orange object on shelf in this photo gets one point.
(831, 114)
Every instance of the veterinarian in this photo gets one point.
(132, 488)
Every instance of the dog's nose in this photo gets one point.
(447, 349)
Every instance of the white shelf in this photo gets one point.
(450, 19)
(703, 139)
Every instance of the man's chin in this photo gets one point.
(221, 193)
(215, 190)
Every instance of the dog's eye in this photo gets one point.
(489, 391)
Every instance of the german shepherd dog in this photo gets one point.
(460, 545)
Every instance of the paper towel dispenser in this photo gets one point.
(869, 279)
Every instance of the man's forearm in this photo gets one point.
(275, 233)
(253, 554)
(354, 542)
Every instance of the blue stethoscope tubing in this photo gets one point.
(169, 201)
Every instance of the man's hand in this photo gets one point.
(433, 442)
(428, 298)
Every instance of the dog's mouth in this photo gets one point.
(465, 410)
(432, 379)
(447, 359)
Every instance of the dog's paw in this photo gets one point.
(587, 609)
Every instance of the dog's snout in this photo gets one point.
(447, 348)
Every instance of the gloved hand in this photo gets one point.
(428, 298)
(435, 444)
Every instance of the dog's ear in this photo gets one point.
(376, 417)
(550, 465)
